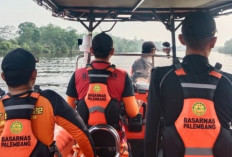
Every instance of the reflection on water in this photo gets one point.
(54, 73)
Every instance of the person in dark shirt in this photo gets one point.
(166, 47)
(192, 80)
(141, 68)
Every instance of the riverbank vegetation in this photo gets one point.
(53, 39)
(227, 48)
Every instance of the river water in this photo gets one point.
(54, 73)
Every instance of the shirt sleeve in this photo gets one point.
(70, 120)
(131, 106)
(154, 112)
(128, 98)
(71, 101)
(2, 117)
(128, 89)
(71, 90)
(133, 68)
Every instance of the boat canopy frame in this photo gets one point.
(91, 13)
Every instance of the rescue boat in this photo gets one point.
(90, 13)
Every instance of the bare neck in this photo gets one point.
(103, 59)
(204, 53)
(19, 89)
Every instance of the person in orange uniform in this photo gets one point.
(28, 117)
(102, 82)
(190, 103)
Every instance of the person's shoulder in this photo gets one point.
(120, 70)
(53, 97)
(57, 102)
(138, 60)
(162, 69)
(161, 72)
(227, 76)
(80, 70)
(48, 92)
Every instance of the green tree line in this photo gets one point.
(53, 39)
(227, 48)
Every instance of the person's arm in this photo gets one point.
(70, 120)
(131, 106)
(153, 115)
(132, 69)
(2, 117)
(71, 101)
(71, 92)
(129, 101)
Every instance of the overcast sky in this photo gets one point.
(14, 12)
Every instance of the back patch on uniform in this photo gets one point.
(199, 109)
(16, 127)
(96, 88)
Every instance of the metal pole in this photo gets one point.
(172, 20)
(90, 34)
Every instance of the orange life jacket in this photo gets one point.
(98, 107)
(17, 138)
(198, 124)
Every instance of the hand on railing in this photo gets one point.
(77, 151)
(139, 102)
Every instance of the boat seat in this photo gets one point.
(106, 140)
(141, 87)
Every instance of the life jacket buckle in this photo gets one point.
(217, 67)
(36, 88)
(2, 93)
(53, 149)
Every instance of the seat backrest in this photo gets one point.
(106, 140)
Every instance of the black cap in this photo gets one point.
(198, 25)
(166, 44)
(18, 62)
(148, 46)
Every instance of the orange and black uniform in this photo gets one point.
(51, 109)
(99, 88)
(166, 99)
(119, 87)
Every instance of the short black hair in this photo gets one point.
(148, 46)
(166, 44)
(198, 28)
(102, 45)
(17, 67)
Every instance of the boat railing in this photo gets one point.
(130, 54)
(101, 132)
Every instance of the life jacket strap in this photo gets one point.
(217, 67)
(36, 88)
(19, 107)
(53, 149)
(216, 72)
(179, 69)
(177, 63)
(198, 151)
(97, 108)
(199, 86)
(110, 68)
(99, 75)
(2, 93)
